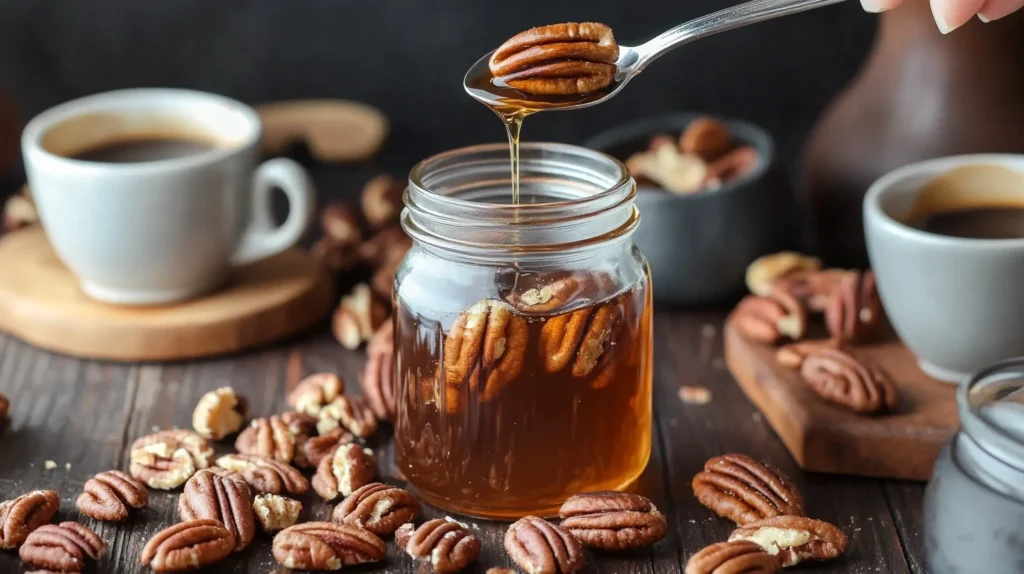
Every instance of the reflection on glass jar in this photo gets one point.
(974, 503)
(523, 332)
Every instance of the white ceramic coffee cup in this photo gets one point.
(957, 303)
(165, 230)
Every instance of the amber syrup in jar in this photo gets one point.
(565, 409)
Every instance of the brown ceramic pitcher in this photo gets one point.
(920, 95)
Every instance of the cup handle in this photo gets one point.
(261, 238)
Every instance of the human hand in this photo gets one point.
(951, 14)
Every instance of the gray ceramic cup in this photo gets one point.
(957, 303)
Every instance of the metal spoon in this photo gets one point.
(632, 60)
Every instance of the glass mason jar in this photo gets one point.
(974, 503)
(523, 332)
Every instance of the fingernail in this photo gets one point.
(875, 6)
(984, 18)
(940, 20)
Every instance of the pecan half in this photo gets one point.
(547, 297)
(483, 352)
(768, 319)
(582, 338)
(315, 391)
(108, 496)
(378, 381)
(613, 520)
(812, 288)
(854, 310)
(279, 437)
(560, 59)
(276, 513)
(63, 547)
(188, 546)
(734, 165)
(326, 546)
(447, 545)
(265, 474)
(743, 490)
(338, 258)
(219, 413)
(705, 137)
(732, 558)
(348, 468)
(166, 459)
(340, 223)
(792, 355)
(224, 498)
(317, 447)
(540, 547)
(794, 539)
(849, 381)
(358, 315)
(350, 412)
(381, 200)
(19, 517)
(765, 270)
(377, 507)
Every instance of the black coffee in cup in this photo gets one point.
(987, 222)
(971, 202)
(143, 149)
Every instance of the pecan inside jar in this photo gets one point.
(483, 352)
(560, 59)
(582, 339)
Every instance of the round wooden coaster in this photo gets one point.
(41, 303)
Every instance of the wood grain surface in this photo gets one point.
(823, 437)
(41, 302)
(86, 413)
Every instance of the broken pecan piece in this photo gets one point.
(382, 200)
(188, 546)
(275, 512)
(540, 547)
(317, 447)
(63, 547)
(705, 137)
(812, 288)
(483, 352)
(765, 270)
(358, 315)
(315, 391)
(582, 338)
(108, 496)
(348, 468)
(794, 539)
(280, 437)
(219, 413)
(326, 546)
(547, 297)
(225, 498)
(849, 381)
(378, 381)
(732, 558)
(854, 310)
(21, 516)
(739, 488)
(166, 459)
(349, 412)
(265, 474)
(447, 545)
(613, 520)
(377, 507)
(792, 355)
(768, 319)
(560, 59)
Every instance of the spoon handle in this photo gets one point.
(727, 19)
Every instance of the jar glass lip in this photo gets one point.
(420, 171)
(991, 408)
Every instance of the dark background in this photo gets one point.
(408, 58)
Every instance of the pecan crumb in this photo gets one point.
(695, 395)
(219, 413)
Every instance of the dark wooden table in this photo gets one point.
(83, 415)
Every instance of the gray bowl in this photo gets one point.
(699, 245)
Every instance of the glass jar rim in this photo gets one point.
(458, 200)
(986, 389)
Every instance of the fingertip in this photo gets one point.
(951, 14)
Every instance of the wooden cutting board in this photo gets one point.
(41, 303)
(823, 437)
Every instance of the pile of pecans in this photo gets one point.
(225, 500)
(704, 158)
(787, 288)
(773, 529)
